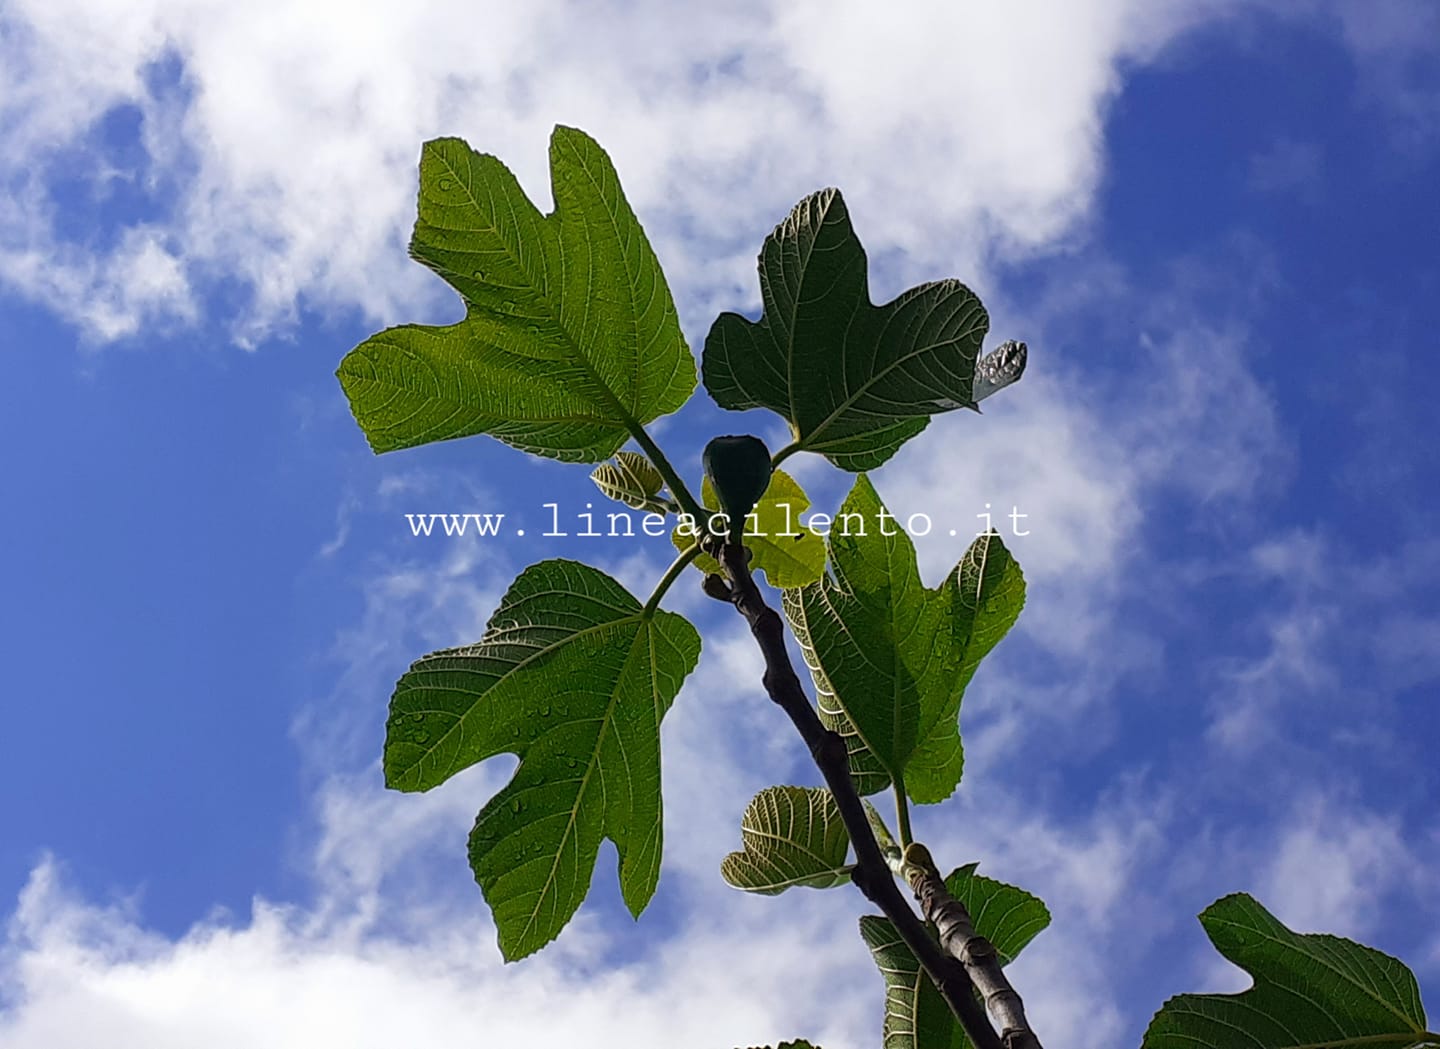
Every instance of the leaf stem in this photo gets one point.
(681, 494)
(902, 812)
(671, 574)
(784, 453)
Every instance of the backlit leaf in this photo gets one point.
(630, 479)
(788, 553)
(572, 675)
(891, 658)
(570, 339)
(854, 380)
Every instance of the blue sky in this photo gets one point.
(1215, 226)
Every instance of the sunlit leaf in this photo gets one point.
(572, 675)
(570, 339)
(891, 658)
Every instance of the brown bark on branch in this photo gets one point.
(872, 873)
(961, 942)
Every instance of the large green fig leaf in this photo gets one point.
(891, 658)
(791, 836)
(854, 380)
(788, 553)
(916, 1017)
(570, 340)
(572, 675)
(1310, 990)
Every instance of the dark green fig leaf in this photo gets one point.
(891, 658)
(855, 381)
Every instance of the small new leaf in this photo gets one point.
(999, 368)
(631, 479)
(792, 836)
(572, 675)
(1310, 989)
(855, 381)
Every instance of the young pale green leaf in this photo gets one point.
(891, 658)
(570, 340)
(854, 380)
(792, 836)
(631, 479)
(789, 554)
(1310, 990)
(573, 676)
(916, 1017)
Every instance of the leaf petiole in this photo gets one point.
(671, 574)
(902, 812)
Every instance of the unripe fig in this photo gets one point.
(738, 468)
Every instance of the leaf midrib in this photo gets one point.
(809, 442)
(624, 416)
(605, 723)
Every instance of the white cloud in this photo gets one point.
(284, 157)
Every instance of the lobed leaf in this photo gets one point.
(854, 380)
(791, 836)
(1310, 990)
(570, 339)
(573, 676)
(916, 1016)
(890, 658)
